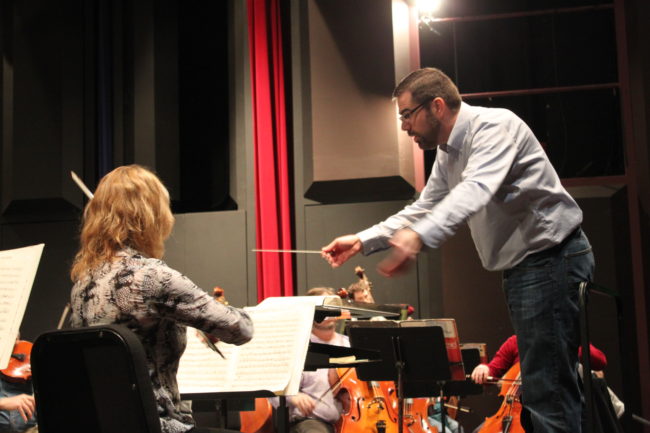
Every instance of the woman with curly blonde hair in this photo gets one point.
(119, 279)
(130, 209)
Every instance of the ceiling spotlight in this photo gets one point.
(428, 7)
(426, 10)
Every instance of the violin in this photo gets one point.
(19, 369)
(508, 418)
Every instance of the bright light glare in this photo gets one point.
(428, 7)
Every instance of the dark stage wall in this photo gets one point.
(87, 86)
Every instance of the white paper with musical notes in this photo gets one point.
(17, 271)
(273, 360)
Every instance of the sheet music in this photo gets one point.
(199, 358)
(273, 360)
(17, 271)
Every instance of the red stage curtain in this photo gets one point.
(272, 202)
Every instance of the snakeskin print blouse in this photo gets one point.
(157, 303)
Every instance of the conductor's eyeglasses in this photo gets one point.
(407, 113)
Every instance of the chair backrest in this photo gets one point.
(92, 379)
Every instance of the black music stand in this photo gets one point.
(405, 360)
(320, 356)
(460, 388)
(358, 310)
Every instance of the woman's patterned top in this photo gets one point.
(157, 303)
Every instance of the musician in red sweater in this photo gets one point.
(508, 355)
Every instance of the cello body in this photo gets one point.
(368, 411)
(259, 420)
(508, 418)
(416, 419)
(415, 415)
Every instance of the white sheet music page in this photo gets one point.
(276, 354)
(17, 272)
(273, 360)
(201, 369)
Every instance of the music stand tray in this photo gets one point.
(321, 356)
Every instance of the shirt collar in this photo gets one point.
(460, 128)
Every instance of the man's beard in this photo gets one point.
(429, 141)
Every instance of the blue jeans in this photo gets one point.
(542, 296)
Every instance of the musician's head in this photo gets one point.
(428, 102)
(130, 208)
(427, 84)
(324, 330)
(320, 291)
(360, 292)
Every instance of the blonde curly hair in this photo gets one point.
(130, 208)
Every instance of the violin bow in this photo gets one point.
(64, 315)
(81, 185)
(335, 385)
(86, 191)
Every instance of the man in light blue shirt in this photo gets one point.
(491, 173)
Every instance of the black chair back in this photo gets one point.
(92, 379)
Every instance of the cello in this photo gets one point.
(259, 420)
(368, 411)
(415, 415)
(508, 418)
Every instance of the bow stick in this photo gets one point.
(81, 185)
(288, 251)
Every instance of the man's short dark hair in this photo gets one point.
(357, 287)
(428, 84)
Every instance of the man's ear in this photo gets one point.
(437, 105)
